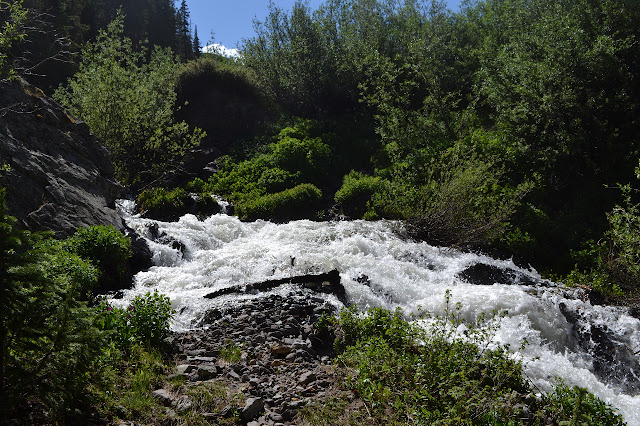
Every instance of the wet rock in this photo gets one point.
(613, 362)
(328, 283)
(142, 256)
(483, 274)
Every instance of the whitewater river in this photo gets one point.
(586, 345)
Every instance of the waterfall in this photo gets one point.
(587, 345)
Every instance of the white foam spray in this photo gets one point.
(378, 268)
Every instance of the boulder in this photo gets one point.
(60, 176)
(484, 274)
(252, 408)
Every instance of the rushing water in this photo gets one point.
(586, 345)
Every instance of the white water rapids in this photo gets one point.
(377, 268)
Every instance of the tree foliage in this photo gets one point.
(541, 91)
(129, 102)
(13, 17)
(48, 339)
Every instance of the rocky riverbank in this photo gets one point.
(265, 356)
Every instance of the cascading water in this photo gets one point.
(586, 345)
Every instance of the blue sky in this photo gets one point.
(231, 21)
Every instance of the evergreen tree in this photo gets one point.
(184, 44)
(196, 44)
(48, 338)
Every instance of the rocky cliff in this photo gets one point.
(60, 175)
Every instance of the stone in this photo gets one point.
(183, 404)
(252, 408)
(185, 368)
(307, 378)
(163, 396)
(280, 350)
(227, 411)
(206, 372)
(61, 176)
(233, 375)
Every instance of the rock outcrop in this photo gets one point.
(60, 176)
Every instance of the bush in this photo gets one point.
(49, 344)
(436, 374)
(145, 321)
(108, 249)
(355, 193)
(127, 98)
(580, 406)
(163, 204)
(170, 204)
(305, 155)
(291, 203)
(624, 223)
(461, 199)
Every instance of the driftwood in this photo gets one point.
(328, 283)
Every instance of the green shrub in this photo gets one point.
(291, 203)
(145, 321)
(579, 406)
(460, 198)
(267, 185)
(49, 343)
(308, 156)
(163, 204)
(612, 264)
(355, 193)
(108, 249)
(196, 186)
(234, 180)
(438, 374)
(624, 223)
(277, 179)
(127, 97)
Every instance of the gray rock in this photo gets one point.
(227, 411)
(307, 378)
(163, 396)
(206, 372)
(275, 417)
(61, 176)
(233, 375)
(252, 408)
(183, 404)
(185, 368)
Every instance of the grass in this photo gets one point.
(231, 352)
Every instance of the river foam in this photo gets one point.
(378, 268)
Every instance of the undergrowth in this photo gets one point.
(443, 370)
